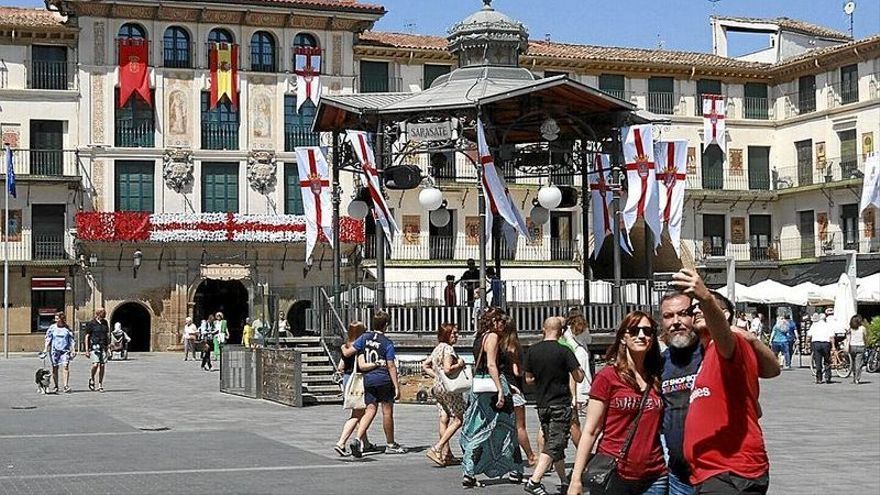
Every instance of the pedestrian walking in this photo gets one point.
(450, 405)
(509, 341)
(757, 325)
(376, 358)
(97, 347)
(247, 334)
(550, 367)
(190, 334)
(821, 336)
(723, 441)
(346, 367)
(855, 341)
(221, 334)
(282, 328)
(61, 347)
(206, 339)
(577, 338)
(781, 338)
(488, 436)
(626, 410)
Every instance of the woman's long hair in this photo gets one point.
(617, 353)
(508, 340)
(355, 330)
(855, 322)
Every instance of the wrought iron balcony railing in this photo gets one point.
(135, 133)
(220, 135)
(49, 74)
(51, 163)
(298, 135)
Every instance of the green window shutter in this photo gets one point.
(661, 84)
(374, 77)
(134, 186)
(612, 82)
(755, 90)
(432, 72)
(293, 204)
(220, 187)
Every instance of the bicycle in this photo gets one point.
(872, 358)
(841, 363)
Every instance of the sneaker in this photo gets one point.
(371, 447)
(356, 448)
(534, 488)
(394, 448)
(470, 482)
(91, 384)
(515, 477)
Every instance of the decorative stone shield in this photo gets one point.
(177, 168)
(262, 170)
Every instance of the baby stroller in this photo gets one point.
(119, 342)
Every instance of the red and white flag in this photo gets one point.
(381, 213)
(307, 67)
(671, 179)
(714, 109)
(314, 178)
(600, 189)
(495, 190)
(642, 200)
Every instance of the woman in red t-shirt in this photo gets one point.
(634, 363)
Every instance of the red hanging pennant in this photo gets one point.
(133, 74)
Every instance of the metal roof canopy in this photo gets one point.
(502, 96)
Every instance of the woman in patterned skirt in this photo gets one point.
(450, 405)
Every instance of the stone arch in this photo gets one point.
(136, 319)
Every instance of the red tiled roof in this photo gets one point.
(342, 5)
(37, 18)
(403, 40)
(824, 51)
(793, 25)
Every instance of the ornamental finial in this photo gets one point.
(487, 4)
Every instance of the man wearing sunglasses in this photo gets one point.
(703, 353)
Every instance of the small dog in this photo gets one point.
(42, 378)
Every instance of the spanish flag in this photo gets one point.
(223, 59)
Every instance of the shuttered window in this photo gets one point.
(134, 185)
(293, 203)
(219, 187)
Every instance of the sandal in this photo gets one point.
(451, 460)
(340, 449)
(91, 384)
(66, 390)
(101, 388)
(435, 456)
(471, 482)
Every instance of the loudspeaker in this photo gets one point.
(402, 177)
(569, 197)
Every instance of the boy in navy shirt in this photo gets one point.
(375, 359)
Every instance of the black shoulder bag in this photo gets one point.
(601, 473)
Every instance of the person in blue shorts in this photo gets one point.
(376, 359)
(61, 349)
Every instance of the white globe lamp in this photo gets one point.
(440, 217)
(430, 198)
(549, 196)
(539, 215)
(358, 209)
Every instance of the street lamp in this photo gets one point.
(359, 207)
(549, 196)
(441, 216)
(539, 214)
(136, 261)
(431, 198)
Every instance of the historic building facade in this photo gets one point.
(180, 206)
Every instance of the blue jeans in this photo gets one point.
(785, 349)
(677, 486)
(659, 487)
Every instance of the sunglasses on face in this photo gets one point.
(646, 331)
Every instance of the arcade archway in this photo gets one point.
(296, 317)
(135, 320)
(229, 297)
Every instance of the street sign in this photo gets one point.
(430, 131)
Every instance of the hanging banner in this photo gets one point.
(381, 213)
(314, 177)
(133, 70)
(602, 197)
(871, 183)
(714, 117)
(495, 190)
(642, 200)
(223, 63)
(307, 67)
(671, 159)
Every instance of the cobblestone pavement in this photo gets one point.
(163, 427)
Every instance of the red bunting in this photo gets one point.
(134, 60)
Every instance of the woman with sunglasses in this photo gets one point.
(634, 367)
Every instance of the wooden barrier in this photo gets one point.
(282, 376)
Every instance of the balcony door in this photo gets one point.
(47, 141)
(849, 158)
(561, 236)
(714, 237)
(759, 237)
(849, 224)
(759, 167)
(220, 187)
(804, 162)
(441, 240)
(374, 77)
(713, 167)
(49, 67)
(48, 228)
(807, 229)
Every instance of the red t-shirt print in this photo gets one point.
(645, 457)
(721, 431)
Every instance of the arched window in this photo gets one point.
(220, 35)
(305, 39)
(132, 31)
(176, 48)
(263, 52)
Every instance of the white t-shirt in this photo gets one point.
(821, 331)
(583, 357)
(190, 331)
(757, 326)
(857, 336)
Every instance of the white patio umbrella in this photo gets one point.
(743, 294)
(774, 292)
(868, 289)
(844, 304)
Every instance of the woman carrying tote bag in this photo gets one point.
(348, 367)
(626, 408)
(448, 370)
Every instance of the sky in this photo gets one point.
(674, 24)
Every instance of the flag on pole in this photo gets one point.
(641, 177)
(381, 213)
(10, 172)
(314, 178)
(495, 190)
(223, 63)
(714, 109)
(307, 67)
(671, 159)
(870, 184)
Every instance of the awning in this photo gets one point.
(48, 283)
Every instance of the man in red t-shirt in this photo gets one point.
(723, 441)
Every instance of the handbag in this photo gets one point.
(601, 471)
(457, 384)
(483, 383)
(353, 395)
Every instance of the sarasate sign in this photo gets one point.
(431, 131)
(226, 271)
